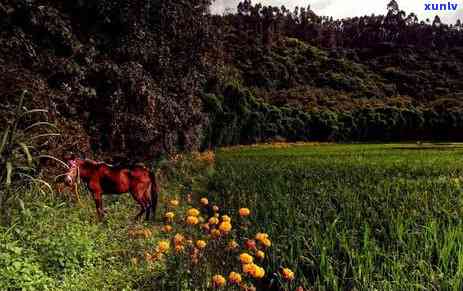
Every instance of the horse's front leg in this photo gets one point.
(98, 197)
(99, 204)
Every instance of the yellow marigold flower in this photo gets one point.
(261, 236)
(232, 245)
(218, 281)
(246, 258)
(174, 202)
(193, 212)
(163, 246)
(234, 278)
(249, 268)
(259, 273)
(244, 212)
(200, 244)
(254, 270)
(204, 201)
(192, 220)
(213, 220)
(215, 233)
(225, 227)
(287, 274)
(266, 242)
(215, 208)
(169, 215)
(226, 218)
(263, 239)
(178, 239)
(167, 228)
(260, 255)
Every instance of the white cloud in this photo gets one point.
(349, 8)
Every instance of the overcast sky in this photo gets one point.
(349, 8)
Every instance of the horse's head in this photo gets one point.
(73, 172)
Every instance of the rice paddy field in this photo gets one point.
(353, 217)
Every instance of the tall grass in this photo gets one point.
(353, 217)
(24, 133)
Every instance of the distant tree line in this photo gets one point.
(396, 28)
(293, 75)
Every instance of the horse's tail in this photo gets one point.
(155, 189)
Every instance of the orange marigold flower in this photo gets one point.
(244, 212)
(287, 274)
(215, 233)
(232, 245)
(179, 248)
(204, 201)
(163, 246)
(225, 227)
(192, 220)
(174, 202)
(259, 273)
(167, 228)
(249, 268)
(266, 242)
(234, 278)
(246, 258)
(226, 218)
(261, 236)
(193, 212)
(200, 244)
(218, 281)
(178, 239)
(264, 239)
(254, 270)
(213, 220)
(260, 255)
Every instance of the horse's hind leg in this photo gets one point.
(148, 211)
(140, 213)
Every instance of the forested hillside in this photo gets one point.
(386, 77)
(143, 77)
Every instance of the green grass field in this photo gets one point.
(353, 217)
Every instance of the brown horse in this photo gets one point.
(102, 178)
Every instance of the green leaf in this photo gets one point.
(38, 181)
(33, 111)
(55, 159)
(4, 139)
(44, 135)
(25, 149)
(41, 124)
(9, 173)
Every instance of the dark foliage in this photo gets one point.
(129, 71)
